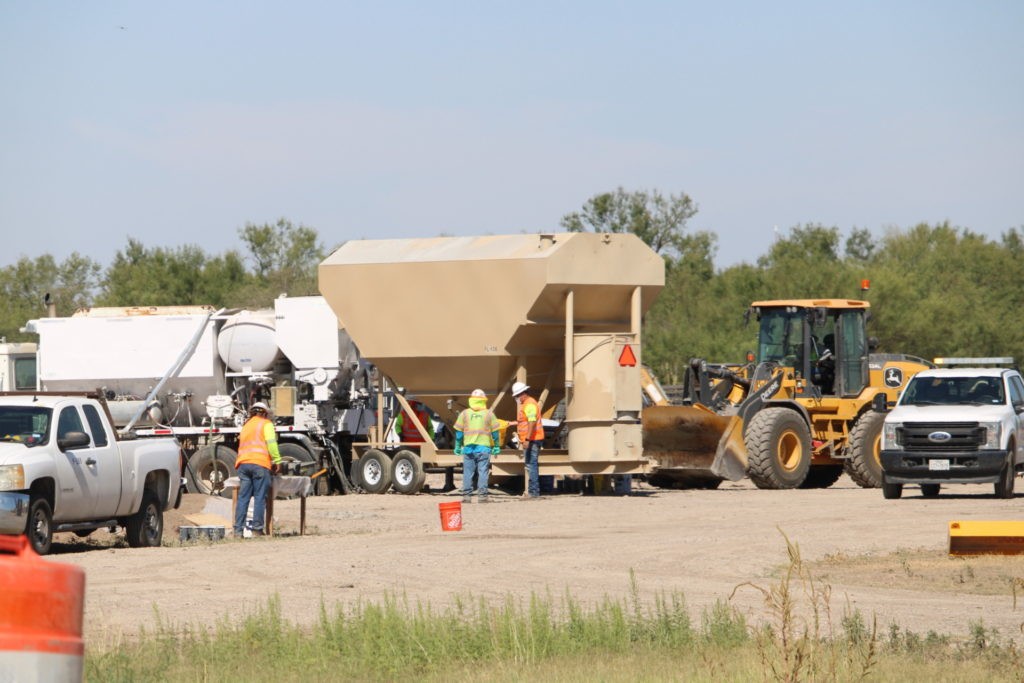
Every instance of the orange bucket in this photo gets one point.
(41, 611)
(451, 516)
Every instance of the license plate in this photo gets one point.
(938, 464)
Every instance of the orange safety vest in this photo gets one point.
(538, 430)
(409, 431)
(252, 447)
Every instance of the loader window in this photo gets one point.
(853, 353)
(781, 338)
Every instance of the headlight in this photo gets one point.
(993, 434)
(890, 436)
(12, 477)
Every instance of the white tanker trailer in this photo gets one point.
(192, 372)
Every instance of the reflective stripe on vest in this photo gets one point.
(252, 448)
(477, 426)
(409, 431)
(524, 422)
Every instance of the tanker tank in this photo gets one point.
(443, 316)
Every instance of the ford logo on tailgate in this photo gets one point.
(940, 437)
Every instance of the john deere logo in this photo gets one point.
(940, 437)
(893, 377)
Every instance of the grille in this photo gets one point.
(965, 436)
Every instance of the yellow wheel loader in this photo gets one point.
(797, 415)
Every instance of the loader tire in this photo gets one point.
(407, 473)
(822, 476)
(779, 448)
(374, 471)
(865, 464)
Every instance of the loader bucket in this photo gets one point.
(692, 443)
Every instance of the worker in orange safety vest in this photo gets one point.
(530, 430)
(258, 459)
(406, 427)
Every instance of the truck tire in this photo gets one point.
(294, 452)
(779, 448)
(407, 473)
(207, 472)
(39, 527)
(891, 491)
(864, 464)
(146, 527)
(1004, 487)
(374, 470)
(822, 476)
(930, 490)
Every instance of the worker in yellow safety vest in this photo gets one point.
(530, 430)
(258, 459)
(405, 426)
(477, 431)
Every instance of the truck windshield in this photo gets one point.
(25, 424)
(930, 391)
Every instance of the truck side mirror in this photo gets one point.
(880, 403)
(73, 440)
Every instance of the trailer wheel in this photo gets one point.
(865, 464)
(207, 472)
(822, 476)
(930, 490)
(146, 527)
(779, 448)
(374, 469)
(407, 472)
(891, 491)
(39, 527)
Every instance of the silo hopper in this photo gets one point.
(561, 312)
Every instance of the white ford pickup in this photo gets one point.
(955, 426)
(64, 468)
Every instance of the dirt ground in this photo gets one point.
(885, 558)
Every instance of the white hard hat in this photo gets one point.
(479, 393)
(259, 405)
(519, 388)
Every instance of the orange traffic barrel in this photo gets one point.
(41, 610)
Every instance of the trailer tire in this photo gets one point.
(207, 472)
(864, 464)
(891, 491)
(822, 476)
(779, 447)
(374, 471)
(39, 527)
(146, 527)
(407, 475)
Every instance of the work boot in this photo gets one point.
(467, 499)
(483, 499)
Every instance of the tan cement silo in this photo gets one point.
(442, 316)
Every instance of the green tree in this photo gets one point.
(658, 220)
(285, 258)
(24, 286)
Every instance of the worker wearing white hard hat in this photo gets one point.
(476, 440)
(258, 458)
(530, 430)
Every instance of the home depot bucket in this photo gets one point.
(41, 609)
(451, 516)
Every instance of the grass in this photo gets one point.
(563, 639)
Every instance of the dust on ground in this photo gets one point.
(883, 558)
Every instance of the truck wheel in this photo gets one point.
(779, 448)
(293, 452)
(865, 464)
(891, 491)
(930, 490)
(146, 527)
(374, 468)
(39, 527)
(407, 472)
(822, 476)
(207, 473)
(1004, 487)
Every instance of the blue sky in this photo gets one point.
(178, 123)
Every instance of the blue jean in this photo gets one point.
(254, 482)
(475, 460)
(530, 455)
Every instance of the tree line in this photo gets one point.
(936, 290)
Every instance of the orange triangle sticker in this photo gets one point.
(626, 358)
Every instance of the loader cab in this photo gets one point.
(824, 341)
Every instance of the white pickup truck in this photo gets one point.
(955, 426)
(64, 468)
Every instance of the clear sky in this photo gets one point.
(179, 122)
